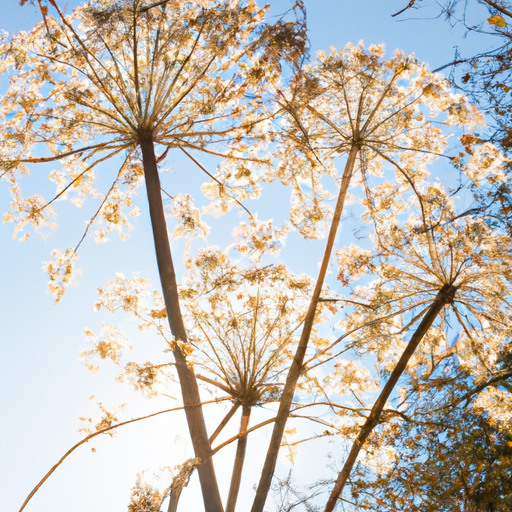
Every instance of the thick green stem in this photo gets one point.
(187, 379)
(445, 296)
(236, 476)
(297, 364)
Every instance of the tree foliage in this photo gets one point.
(486, 75)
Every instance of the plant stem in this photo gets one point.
(297, 364)
(187, 379)
(236, 476)
(445, 296)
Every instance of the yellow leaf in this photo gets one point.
(159, 313)
(497, 20)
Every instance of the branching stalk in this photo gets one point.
(297, 364)
(187, 379)
(236, 476)
(445, 296)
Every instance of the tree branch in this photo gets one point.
(409, 6)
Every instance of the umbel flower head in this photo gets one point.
(390, 111)
(95, 84)
(434, 246)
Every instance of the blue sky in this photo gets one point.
(44, 387)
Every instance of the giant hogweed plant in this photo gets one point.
(355, 110)
(439, 272)
(130, 80)
(242, 323)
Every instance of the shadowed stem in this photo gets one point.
(238, 465)
(187, 379)
(298, 361)
(445, 296)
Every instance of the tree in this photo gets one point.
(486, 75)
(456, 454)
(96, 85)
(485, 78)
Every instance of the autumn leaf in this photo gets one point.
(469, 141)
(505, 87)
(497, 20)
(159, 313)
